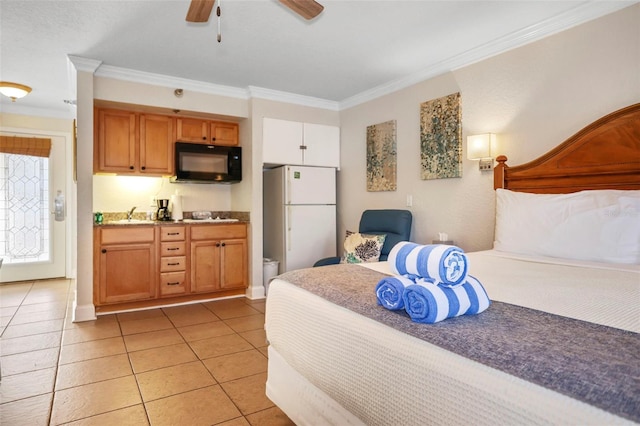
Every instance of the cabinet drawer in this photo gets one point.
(172, 233)
(178, 248)
(130, 234)
(172, 283)
(218, 232)
(171, 264)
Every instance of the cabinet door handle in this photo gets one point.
(223, 244)
(204, 138)
(131, 167)
(176, 283)
(173, 233)
(173, 248)
(104, 250)
(213, 139)
(143, 168)
(217, 244)
(173, 264)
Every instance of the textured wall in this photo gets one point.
(533, 97)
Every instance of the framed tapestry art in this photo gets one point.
(441, 138)
(381, 157)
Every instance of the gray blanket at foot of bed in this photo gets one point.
(593, 363)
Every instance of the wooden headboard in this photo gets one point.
(603, 155)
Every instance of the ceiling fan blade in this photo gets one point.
(199, 10)
(308, 9)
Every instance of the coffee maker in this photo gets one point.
(163, 210)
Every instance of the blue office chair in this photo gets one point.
(396, 224)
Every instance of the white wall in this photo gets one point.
(534, 97)
(261, 108)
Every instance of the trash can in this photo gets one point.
(269, 270)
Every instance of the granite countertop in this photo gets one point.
(139, 219)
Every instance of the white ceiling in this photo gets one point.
(353, 51)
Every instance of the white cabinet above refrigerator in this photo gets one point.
(292, 142)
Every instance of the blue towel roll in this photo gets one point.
(429, 303)
(439, 263)
(389, 291)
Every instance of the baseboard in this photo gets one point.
(83, 312)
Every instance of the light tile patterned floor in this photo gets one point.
(201, 364)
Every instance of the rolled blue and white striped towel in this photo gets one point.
(439, 263)
(429, 303)
(389, 291)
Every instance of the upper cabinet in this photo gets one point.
(142, 143)
(206, 131)
(133, 143)
(295, 143)
(156, 144)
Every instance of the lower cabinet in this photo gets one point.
(173, 261)
(218, 257)
(126, 269)
(139, 263)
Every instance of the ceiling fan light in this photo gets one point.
(14, 90)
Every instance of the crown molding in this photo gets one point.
(580, 14)
(292, 98)
(117, 73)
(84, 64)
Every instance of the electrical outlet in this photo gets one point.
(152, 202)
(409, 200)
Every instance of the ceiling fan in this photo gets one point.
(200, 10)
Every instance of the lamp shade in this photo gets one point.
(14, 90)
(479, 146)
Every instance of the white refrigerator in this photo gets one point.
(299, 215)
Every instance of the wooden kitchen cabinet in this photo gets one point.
(173, 261)
(218, 257)
(116, 141)
(206, 131)
(126, 264)
(156, 144)
(303, 144)
(133, 143)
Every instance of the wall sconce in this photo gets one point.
(479, 148)
(14, 90)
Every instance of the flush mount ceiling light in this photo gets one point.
(14, 90)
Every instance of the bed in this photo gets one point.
(560, 343)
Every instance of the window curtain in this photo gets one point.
(37, 147)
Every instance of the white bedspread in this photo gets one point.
(372, 370)
(595, 292)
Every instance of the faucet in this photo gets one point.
(130, 213)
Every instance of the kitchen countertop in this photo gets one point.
(138, 219)
(135, 222)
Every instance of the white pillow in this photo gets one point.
(598, 225)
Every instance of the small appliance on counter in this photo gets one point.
(163, 210)
(176, 206)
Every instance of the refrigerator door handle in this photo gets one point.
(289, 228)
(288, 186)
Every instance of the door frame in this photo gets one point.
(69, 188)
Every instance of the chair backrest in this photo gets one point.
(396, 224)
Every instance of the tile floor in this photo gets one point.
(201, 364)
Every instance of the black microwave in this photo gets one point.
(202, 163)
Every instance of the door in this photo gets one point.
(127, 273)
(33, 245)
(116, 141)
(156, 144)
(310, 185)
(281, 141)
(310, 235)
(205, 266)
(322, 145)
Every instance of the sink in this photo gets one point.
(130, 222)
